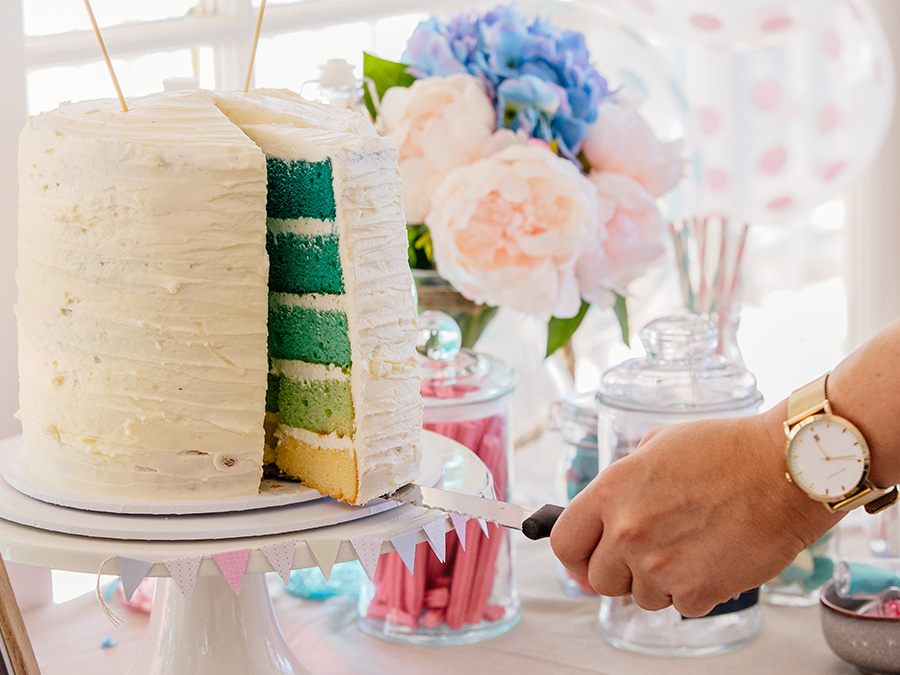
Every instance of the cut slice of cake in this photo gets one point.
(342, 356)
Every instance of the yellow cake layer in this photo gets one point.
(331, 471)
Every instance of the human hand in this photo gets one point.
(697, 514)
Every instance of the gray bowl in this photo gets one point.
(871, 643)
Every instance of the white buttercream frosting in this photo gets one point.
(143, 293)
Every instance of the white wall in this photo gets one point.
(12, 117)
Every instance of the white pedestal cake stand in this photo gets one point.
(215, 632)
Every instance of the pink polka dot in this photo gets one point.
(831, 44)
(780, 204)
(829, 118)
(709, 120)
(766, 95)
(717, 180)
(833, 170)
(773, 160)
(706, 22)
(856, 12)
(776, 23)
(644, 5)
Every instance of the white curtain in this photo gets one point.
(873, 248)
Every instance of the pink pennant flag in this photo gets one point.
(233, 564)
(405, 545)
(368, 551)
(184, 572)
(436, 534)
(484, 528)
(132, 572)
(459, 524)
(281, 557)
(325, 552)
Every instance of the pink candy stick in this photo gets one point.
(484, 581)
(463, 578)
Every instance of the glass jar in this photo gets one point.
(472, 596)
(680, 379)
(576, 425)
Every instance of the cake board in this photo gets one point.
(217, 631)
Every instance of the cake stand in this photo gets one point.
(217, 631)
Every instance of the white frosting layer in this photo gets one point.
(305, 227)
(143, 291)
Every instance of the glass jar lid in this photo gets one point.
(680, 373)
(451, 375)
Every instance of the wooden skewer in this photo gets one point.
(16, 644)
(259, 18)
(112, 73)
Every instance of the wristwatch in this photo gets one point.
(827, 456)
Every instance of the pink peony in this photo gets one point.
(620, 141)
(439, 123)
(629, 242)
(508, 229)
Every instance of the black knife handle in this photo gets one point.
(539, 523)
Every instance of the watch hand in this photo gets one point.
(836, 473)
(821, 449)
(844, 457)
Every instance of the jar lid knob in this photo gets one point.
(684, 337)
(438, 336)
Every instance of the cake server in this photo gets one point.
(534, 523)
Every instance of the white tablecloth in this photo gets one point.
(557, 634)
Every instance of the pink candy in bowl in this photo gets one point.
(863, 630)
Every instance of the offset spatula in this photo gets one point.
(534, 523)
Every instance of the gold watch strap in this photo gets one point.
(807, 400)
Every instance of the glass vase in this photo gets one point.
(437, 294)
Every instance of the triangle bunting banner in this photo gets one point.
(281, 557)
(184, 572)
(233, 564)
(368, 551)
(325, 552)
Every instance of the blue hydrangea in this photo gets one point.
(539, 78)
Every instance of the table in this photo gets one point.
(557, 633)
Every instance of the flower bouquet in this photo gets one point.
(526, 184)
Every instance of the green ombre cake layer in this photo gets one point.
(309, 341)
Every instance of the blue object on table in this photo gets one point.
(346, 578)
(854, 578)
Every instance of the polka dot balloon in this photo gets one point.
(733, 24)
(642, 76)
(783, 129)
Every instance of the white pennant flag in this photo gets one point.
(325, 552)
(459, 524)
(484, 528)
(281, 557)
(436, 534)
(184, 572)
(405, 545)
(132, 572)
(368, 551)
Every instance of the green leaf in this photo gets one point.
(621, 311)
(560, 331)
(384, 74)
(421, 248)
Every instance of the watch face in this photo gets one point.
(827, 457)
